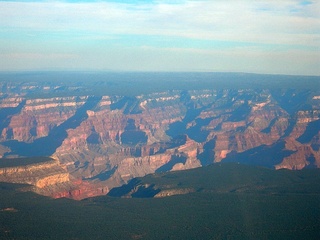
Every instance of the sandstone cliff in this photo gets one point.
(44, 174)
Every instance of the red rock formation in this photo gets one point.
(303, 156)
(39, 116)
(44, 176)
(79, 189)
(94, 148)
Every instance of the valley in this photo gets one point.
(105, 129)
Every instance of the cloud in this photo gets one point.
(211, 20)
(265, 29)
(38, 56)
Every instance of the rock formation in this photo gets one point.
(106, 140)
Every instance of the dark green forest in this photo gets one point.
(230, 201)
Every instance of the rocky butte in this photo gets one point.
(98, 131)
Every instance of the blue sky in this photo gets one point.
(260, 36)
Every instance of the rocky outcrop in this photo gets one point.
(304, 156)
(32, 122)
(40, 175)
(49, 178)
(11, 102)
(172, 192)
(76, 189)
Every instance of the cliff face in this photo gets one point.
(45, 174)
(303, 156)
(47, 177)
(32, 121)
(106, 141)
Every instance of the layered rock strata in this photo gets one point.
(116, 138)
(41, 175)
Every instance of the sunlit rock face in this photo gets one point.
(102, 141)
(43, 174)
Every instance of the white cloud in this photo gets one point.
(213, 20)
(38, 56)
(285, 35)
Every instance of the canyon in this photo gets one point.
(99, 134)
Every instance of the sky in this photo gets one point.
(256, 36)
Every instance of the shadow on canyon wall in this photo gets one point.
(46, 146)
(312, 130)
(266, 156)
(196, 132)
(7, 113)
(169, 165)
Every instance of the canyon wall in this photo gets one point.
(104, 141)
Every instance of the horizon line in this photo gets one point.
(150, 71)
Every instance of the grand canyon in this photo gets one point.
(81, 135)
(158, 119)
